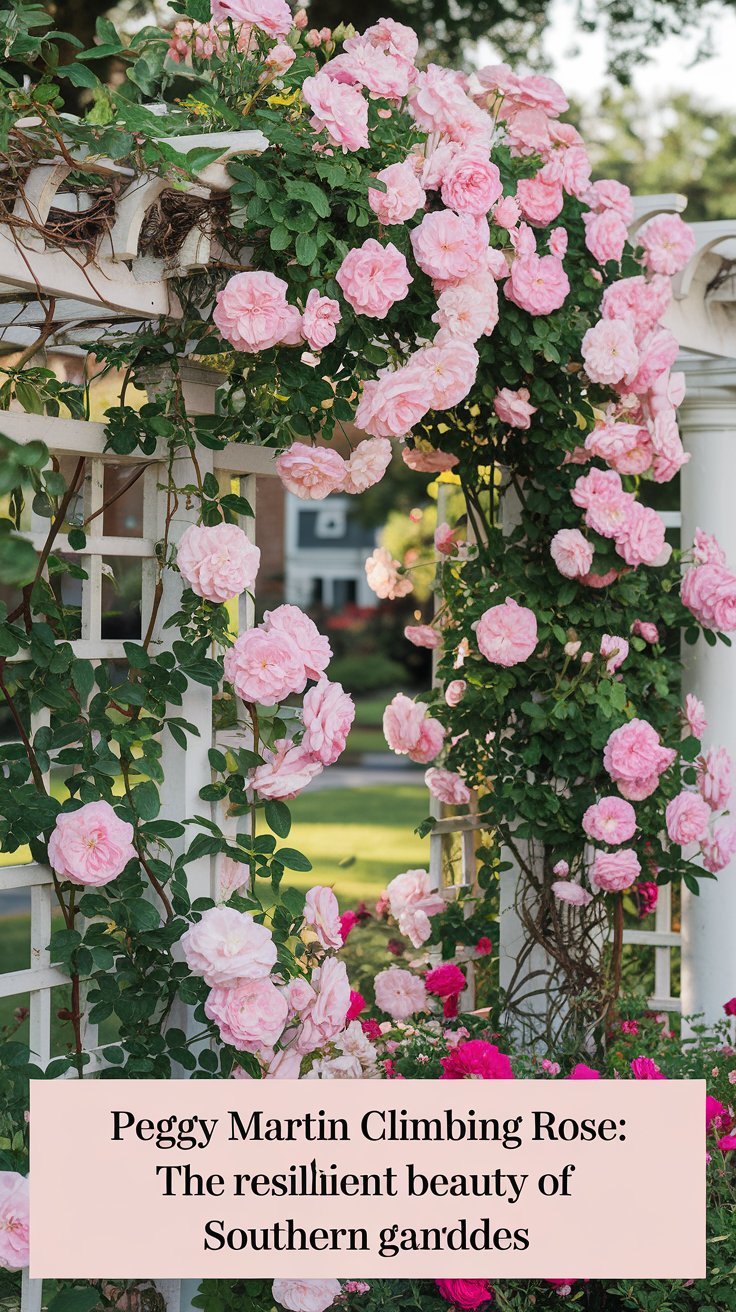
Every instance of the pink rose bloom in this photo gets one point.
(574, 164)
(609, 352)
(322, 914)
(271, 16)
(469, 309)
(14, 1221)
(527, 133)
(574, 894)
(447, 787)
(643, 1068)
(423, 635)
(695, 715)
(253, 314)
(357, 1006)
(449, 247)
(540, 198)
(382, 574)
(378, 71)
(396, 38)
(218, 562)
(714, 777)
(311, 472)
(373, 277)
(328, 712)
(225, 945)
(476, 1060)
(409, 731)
(265, 667)
(445, 981)
(455, 691)
(635, 758)
(412, 901)
(669, 453)
(641, 302)
(557, 242)
(321, 315)
(717, 1117)
(616, 650)
(447, 369)
(314, 649)
(718, 849)
(571, 552)
(707, 549)
(465, 1293)
(657, 353)
(561, 869)
(471, 184)
(643, 629)
(583, 1072)
(605, 235)
(612, 872)
(338, 108)
(286, 771)
(687, 817)
(507, 212)
(231, 876)
(507, 633)
(250, 1014)
(91, 845)
(512, 407)
(324, 1016)
(537, 284)
(608, 194)
(439, 104)
(367, 464)
(399, 993)
(444, 540)
(305, 1295)
(627, 448)
(668, 243)
(640, 540)
(391, 404)
(428, 461)
(280, 57)
(403, 196)
(540, 92)
(709, 591)
(611, 820)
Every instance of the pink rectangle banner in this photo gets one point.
(367, 1179)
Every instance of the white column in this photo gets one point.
(708, 426)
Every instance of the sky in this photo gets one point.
(578, 62)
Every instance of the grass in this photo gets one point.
(366, 734)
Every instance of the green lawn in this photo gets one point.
(366, 734)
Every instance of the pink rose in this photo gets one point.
(687, 817)
(394, 37)
(583, 1072)
(328, 713)
(605, 235)
(264, 667)
(471, 184)
(612, 872)
(627, 448)
(313, 647)
(271, 16)
(391, 404)
(305, 1295)
(641, 302)
(574, 894)
(512, 407)
(643, 629)
(14, 1221)
(447, 369)
(367, 464)
(412, 901)
(319, 321)
(324, 1016)
(280, 58)
(468, 309)
(707, 549)
(439, 103)
(447, 787)
(91, 845)
(640, 539)
(399, 993)
(571, 552)
(322, 914)
(540, 198)
(668, 243)
(380, 72)
(695, 715)
(383, 577)
(611, 820)
(358, 1003)
(709, 591)
(608, 194)
(403, 196)
(287, 769)
(557, 242)
(561, 869)
(311, 472)
(426, 461)
(476, 1060)
(615, 650)
(409, 731)
(444, 540)
(373, 277)
(253, 314)
(507, 633)
(218, 561)
(718, 849)
(643, 1068)
(225, 945)
(339, 109)
(635, 758)
(423, 635)
(714, 778)
(507, 212)
(231, 876)
(455, 691)
(537, 283)
(250, 1014)
(609, 352)
(449, 247)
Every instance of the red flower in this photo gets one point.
(465, 1293)
(730, 1007)
(476, 1060)
(357, 1004)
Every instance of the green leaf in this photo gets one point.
(143, 915)
(83, 678)
(291, 859)
(77, 539)
(18, 560)
(280, 238)
(146, 800)
(278, 818)
(306, 247)
(300, 189)
(80, 1299)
